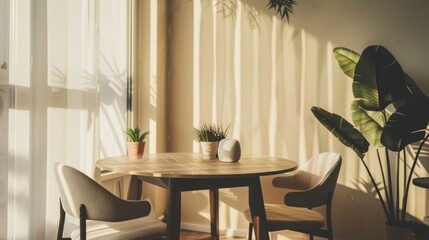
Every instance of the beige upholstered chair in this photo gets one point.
(312, 185)
(112, 217)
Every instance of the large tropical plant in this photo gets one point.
(389, 113)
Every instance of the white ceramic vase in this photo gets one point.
(229, 150)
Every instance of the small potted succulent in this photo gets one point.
(135, 145)
(209, 136)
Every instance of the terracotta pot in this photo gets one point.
(397, 233)
(135, 149)
(209, 149)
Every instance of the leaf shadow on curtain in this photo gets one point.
(108, 91)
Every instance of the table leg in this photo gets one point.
(135, 189)
(214, 213)
(174, 211)
(257, 209)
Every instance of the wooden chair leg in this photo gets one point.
(61, 223)
(249, 237)
(83, 218)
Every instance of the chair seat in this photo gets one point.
(141, 228)
(281, 217)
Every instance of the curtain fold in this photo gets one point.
(69, 68)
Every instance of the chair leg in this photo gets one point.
(329, 218)
(83, 218)
(249, 237)
(61, 223)
(311, 237)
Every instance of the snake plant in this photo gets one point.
(210, 132)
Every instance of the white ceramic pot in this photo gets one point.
(229, 150)
(209, 149)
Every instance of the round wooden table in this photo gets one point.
(187, 171)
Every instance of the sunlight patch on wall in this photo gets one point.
(274, 78)
(153, 53)
(152, 136)
(214, 32)
(205, 214)
(237, 69)
(302, 139)
(196, 69)
(255, 133)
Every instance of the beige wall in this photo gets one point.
(238, 63)
(150, 75)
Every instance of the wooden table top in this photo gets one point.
(191, 165)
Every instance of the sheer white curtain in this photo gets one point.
(69, 67)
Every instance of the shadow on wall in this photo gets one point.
(357, 207)
(399, 25)
(356, 213)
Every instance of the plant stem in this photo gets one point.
(389, 178)
(383, 204)
(382, 174)
(405, 174)
(397, 187)
(405, 199)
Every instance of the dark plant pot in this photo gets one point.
(397, 233)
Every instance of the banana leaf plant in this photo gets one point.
(389, 113)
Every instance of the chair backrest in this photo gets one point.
(76, 188)
(319, 176)
(321, 167)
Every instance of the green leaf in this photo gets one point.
(343, 130)
(210, 132)
(283, 7)
(347, 60)
(369, 123)
(143, 136)
(406, 125)
(134, 134)
(378, 79)
(416, 94)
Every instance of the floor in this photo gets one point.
(287, 235)
(186, 235)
